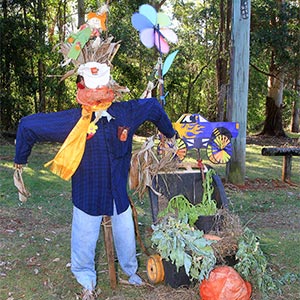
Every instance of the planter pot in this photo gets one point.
(230, 260)
(209, 223)
(206, 223)
(187, 183)
(173, 278)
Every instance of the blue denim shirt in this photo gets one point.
(102, 175)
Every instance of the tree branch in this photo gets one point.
(261, 71)
(160, 4)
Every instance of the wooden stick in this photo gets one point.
(109, 249)
(136, 227)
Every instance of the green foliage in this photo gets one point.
(252, 265)
(29, 69)
(183, 208)
(208, 206)
(176, 239)
(191, 80)
(184, 246)
(289, 278)
(188, 212)
(272, 25)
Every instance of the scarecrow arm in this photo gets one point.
(43, 127)
(150, 110)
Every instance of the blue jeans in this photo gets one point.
(85, 234)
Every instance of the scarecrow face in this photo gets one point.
(92, 84)
(95, 74)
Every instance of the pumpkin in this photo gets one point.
(155, 269)
(224, 282)
(212, 237)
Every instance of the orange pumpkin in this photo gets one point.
(225, 283)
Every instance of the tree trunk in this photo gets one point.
(222, 60)
(273, 121)
(296, 110)
(41, 65)
(81, 13)
(5, 80)
(42, 98)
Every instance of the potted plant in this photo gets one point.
(185, 248)
(186, 253)
(202, 215)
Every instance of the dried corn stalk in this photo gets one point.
(146, 164)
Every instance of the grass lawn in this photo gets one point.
(35, 236)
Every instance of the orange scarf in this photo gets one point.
(69, 156)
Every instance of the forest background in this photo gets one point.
(198, 81)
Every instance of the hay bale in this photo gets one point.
(229, 229)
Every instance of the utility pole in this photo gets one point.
(239, 82)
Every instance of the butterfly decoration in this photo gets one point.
(153, 28)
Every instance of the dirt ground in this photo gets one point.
(263, 140)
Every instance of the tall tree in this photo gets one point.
(271, 37)
(29, 67)
(193, 76)
(274, 100)
(295, 122)
(223, 56)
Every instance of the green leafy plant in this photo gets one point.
(252, 263)
(178, 242)
(184, 210)
(188, 212)
(208, 206)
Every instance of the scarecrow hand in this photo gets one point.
(19, 183)
(18, 166)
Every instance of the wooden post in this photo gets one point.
(238, 97)
(109, 249)
(287, 154)
(286, 168)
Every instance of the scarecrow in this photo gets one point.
(96, 151)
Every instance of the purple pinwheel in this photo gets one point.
(153, 29)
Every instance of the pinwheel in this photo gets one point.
(153, 28)
(219, 148)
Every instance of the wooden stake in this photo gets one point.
(109, 249)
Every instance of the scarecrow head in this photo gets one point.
(92, 85)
